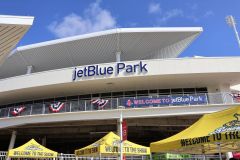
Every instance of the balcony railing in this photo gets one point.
(78, 105)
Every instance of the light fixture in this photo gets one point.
(232, 23)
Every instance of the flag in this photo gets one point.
(18, 110)
(124, 129)
(100, 103)
(56, 107)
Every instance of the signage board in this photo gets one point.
(106, 70)
(166, 100)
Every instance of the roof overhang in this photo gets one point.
(12, 29)
(100, 47)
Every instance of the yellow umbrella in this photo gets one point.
(31, 149)
(109, 146)
(213, 133)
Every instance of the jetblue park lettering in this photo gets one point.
(97, 70)
(167, 100)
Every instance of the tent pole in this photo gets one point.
(203, 153)
(219, 151)
(150, 156)
(121, 137)
(204, 156)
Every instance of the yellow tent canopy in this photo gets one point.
(212, 132)
(31, 149)
(109, 146)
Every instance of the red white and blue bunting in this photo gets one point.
(236, 96)
(100, 103)
(17, 110)
(56, 107)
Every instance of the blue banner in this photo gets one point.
(167, 100)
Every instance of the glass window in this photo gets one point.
(62, 99)
(201, 90)
(164, 91)
(189, 90)
(142, 93)
(154, 91)
(41, 101)
(176, 91)
(117, 94)
(72, 98)
(28, 102)
(9, 105)
(106, 94)
(18, 104)
(130, 94)
(86, 96)
(96, 95)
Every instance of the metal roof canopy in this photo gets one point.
(12, 29)
(100, 47)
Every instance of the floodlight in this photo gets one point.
(232, 23)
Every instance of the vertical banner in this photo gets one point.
(124, 129)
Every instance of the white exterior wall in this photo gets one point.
(197, 71)
(224, 88)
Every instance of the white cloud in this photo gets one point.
(193, 18)
(154, 8)
(94, 19)
(208, 13)
(171, 14)
(194, 6)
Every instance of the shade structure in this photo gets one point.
(32, 149)
(213, 133)
(108, 146)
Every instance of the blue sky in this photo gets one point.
(61, 18)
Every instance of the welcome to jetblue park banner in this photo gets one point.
(167, 100)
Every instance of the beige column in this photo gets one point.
(12, 141)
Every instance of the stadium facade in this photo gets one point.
(69, 92)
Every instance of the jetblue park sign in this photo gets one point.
(116, 69)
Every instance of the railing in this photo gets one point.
(3, 156)
(77, 105)
(62, 156)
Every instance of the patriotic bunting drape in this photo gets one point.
(100, 103)
(236, 96)
(17, 110)
(56, 107)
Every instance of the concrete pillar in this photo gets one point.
(44, 141)
(226, 90)
(118, 56)
(12, 141)
(29, 69)
(219, 94)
